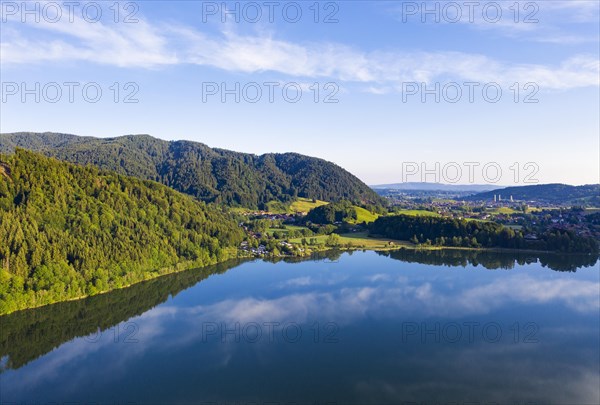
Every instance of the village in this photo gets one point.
(286, 234)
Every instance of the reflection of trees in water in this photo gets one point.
(26, 335)
(492, 259)
(323, 256)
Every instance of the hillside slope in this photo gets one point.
(212, 175)
(552, 193)
(68, 231)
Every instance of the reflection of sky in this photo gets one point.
(370, 298)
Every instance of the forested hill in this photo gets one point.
(67, 231)
(212, 175)
(553, 193)
(478, 234)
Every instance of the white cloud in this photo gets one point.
(581, 11)
(144, 45)
(581, 296)
(122, 45)
(298, 282)
(393, 298)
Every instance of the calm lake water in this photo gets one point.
(366, 327)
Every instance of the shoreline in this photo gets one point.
(407, 245)
(153, 277)
(308, 257)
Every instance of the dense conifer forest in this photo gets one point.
(210, 174)
(429, 231)
(68, 231)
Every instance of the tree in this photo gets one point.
(333, 240)
(69, 231)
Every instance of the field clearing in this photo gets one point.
(295, 227)
(305, 205)
(477, 220)
(422, 213)
(287, 229)
(360, 239)
(277, 207)
(363, 215)
(536, 209)
(503, 210)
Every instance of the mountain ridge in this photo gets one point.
(425, 186)
(552, 192)
(210, 174)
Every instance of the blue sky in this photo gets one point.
(375, 58)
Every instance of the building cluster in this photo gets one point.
(498, 198)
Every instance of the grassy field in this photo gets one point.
(277, 207)
(305, 205)
(537, 209)
(502, 210)
(360, 239)
(362, 215)
(477, 220)
(286, 230)
(423, 213)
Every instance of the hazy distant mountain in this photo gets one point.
(414, 186)
(213, 175)
(552, 193)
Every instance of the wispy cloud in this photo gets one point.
(122, 45)
(557, 21)
(582, 11)
(148, 46)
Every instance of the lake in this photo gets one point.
(363, 327)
